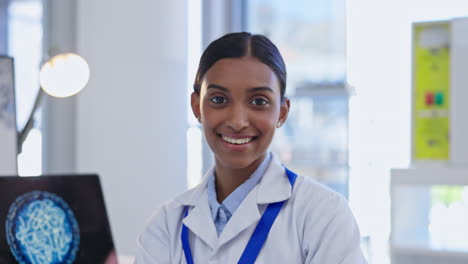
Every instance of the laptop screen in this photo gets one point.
(54, 219)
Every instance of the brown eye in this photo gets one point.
(259, 101)
(218, 100)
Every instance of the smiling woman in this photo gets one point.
(239, 100)
(239, 105)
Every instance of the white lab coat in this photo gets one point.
(315, 226)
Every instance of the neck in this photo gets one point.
(228, 179)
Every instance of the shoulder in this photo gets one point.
(325, 214)
(318, 205)
(172, 210)
(160, 229)
(168, 208)
(308, 189)
(158, 224)
(158, 241)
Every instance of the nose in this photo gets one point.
(238, 118)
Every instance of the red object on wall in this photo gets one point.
(430, 98)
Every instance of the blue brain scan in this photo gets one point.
(42, 229)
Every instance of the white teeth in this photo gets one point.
(239, 141)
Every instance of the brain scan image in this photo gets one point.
(42, 229)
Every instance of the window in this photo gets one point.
(311, 38)
(25, 46)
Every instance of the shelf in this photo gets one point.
(427, 251)
(430, 176)
(410, 210)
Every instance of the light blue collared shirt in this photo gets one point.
(222, 212)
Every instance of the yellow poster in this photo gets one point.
(431, 91)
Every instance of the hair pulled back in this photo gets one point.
(237, 45)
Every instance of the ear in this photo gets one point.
(284, 110)
(195, 102)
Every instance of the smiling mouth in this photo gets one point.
(237, 141)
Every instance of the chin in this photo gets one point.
(236, 162)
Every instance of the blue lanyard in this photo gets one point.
(258, 237)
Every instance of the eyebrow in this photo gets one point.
(219, 87)
(261, 88)
(250, 90)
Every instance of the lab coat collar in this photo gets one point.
(273, 187)
(199, 219)
(246, 215)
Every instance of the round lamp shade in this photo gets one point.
(64, 75)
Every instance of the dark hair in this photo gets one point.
(236, 45)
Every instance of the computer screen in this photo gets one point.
(54, 219)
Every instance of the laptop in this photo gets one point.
(54, 219)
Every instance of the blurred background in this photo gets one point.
(349, 79)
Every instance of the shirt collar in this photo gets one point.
(274, 187)
(232, 202)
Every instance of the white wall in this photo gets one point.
(379, 67)
(131, 118)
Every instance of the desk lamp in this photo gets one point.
(62, 75)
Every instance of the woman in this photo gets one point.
(249, 208)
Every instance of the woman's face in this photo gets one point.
(240, 106)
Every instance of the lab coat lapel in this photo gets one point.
(273, 187)
(246, 215)
(199, 219)
(200, 222)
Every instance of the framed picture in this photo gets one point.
(8, 128)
